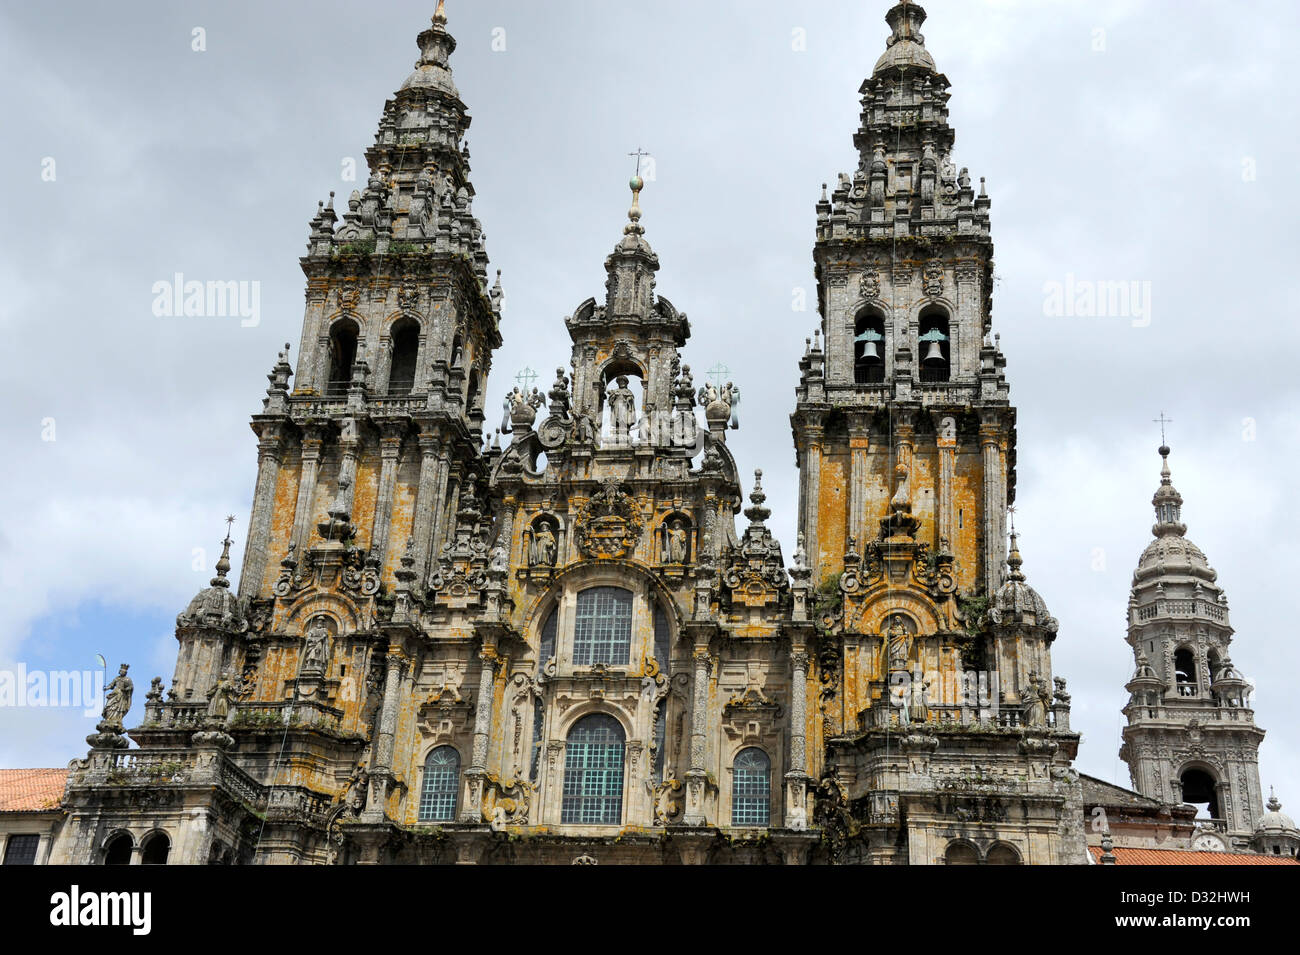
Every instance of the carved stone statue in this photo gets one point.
(731, 396)
(219, 701)
(117, 701)
(314, 649)
(541, 550)
(675, 544)
(622, 409)
(1037, 697)
(900, 644)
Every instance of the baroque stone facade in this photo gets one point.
(579, 641)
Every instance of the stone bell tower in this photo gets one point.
(1191, 734)
(905, 440)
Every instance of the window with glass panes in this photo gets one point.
(602, 628)
(21, 850)
(593, 772)
(441, 783)
(751, 789)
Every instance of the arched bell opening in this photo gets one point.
(343, 355)
(936, 345)
(869, 347)
(405, 350)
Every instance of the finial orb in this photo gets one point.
(636, 183)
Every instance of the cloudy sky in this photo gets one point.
(1142, 142)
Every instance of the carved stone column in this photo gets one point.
(812, 468)
(697, 776)
(472, 809)
(994, 501)
(311, 450)
(427, 509)
(945, 427)
(381, 762)
(390, 448)
(796, 780)
(270, 454)
(859, 445)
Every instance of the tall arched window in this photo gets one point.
(602, 629)
(156, 849)
(1202, 791)
(118, 850)
(406, 347)
(868, 348)
(441, 783)
(751, 789)
(343, 355)
(1185, 672)
(936, 354)
(1003, 854)
(961, 853)
(593, 772)
(545, 651)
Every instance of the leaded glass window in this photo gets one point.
(441, 783)
(546, 646)
(662, 639)
(21, 850)
(751, 789)
(602, 630)
(593, 772)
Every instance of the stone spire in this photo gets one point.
(1167, 502)
(629, 290)
(906, 46)
(432, 69)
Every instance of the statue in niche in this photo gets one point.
(900, 644)
(674, 550)
(622, 409)
(645, 425)
(541, 549)
(314, 648)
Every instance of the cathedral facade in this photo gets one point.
(578, 640)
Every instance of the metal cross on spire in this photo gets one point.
(1162, 421)
(526, 378)
(638, 154)
(718, 374)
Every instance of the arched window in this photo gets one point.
(156, 848)
(868, 348)
(602, 629)
(545, 651)
(1003, 854)
(936, 356)
(593, 772)
(406, 347)
(1185, 672)
(441, 783)
(1200, 790)
(662, 651)
(343, 355)
(118, 850)
(751, 789)
(961, 853)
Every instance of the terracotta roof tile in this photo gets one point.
(1188, 857)
(31, 790)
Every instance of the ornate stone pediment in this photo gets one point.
(608, 525)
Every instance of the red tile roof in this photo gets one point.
(1188, 857)
(31, 790)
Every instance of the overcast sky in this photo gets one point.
(1139, 141)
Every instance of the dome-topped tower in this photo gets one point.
(1276, 834)
(1191, 735)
